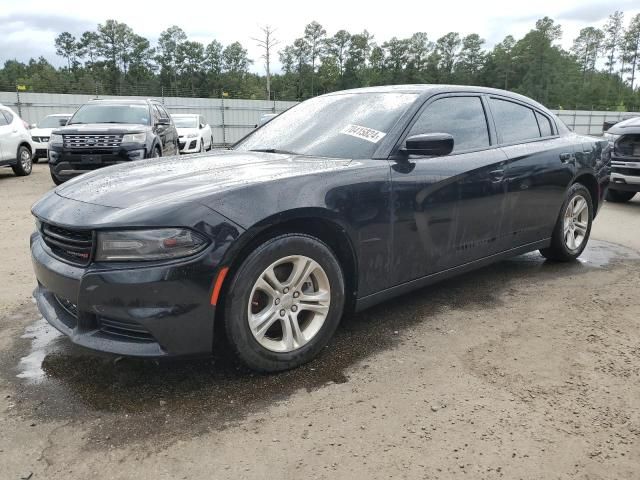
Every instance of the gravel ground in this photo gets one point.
(522, 370)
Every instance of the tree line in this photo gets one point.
(601, 70)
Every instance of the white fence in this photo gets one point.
(230, 119)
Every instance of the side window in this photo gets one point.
(514, 122)
(8, 116)
(545, 125)
(3, 121)
(461, 117)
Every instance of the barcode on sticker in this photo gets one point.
(368, 134)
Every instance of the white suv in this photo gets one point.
(15, 143)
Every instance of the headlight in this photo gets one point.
(192, 135)
(55, 139)
(134, 138)
(36, 139)
(612, 137)
(160, 244)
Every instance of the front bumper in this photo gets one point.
(188, 145)
(625, 174)
(67, 163)
(147, 311)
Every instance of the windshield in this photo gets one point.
(110, 113)
(53, 121)
(348, 125)
(185, 122)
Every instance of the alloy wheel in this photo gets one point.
(289, 303)
(25, 160)
(576, 222)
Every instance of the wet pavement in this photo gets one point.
(128, 400)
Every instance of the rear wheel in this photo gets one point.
(156, 153)
(24, 164)
(619, 196)
(284, 303)
(211, 143)
(56, 180)
(201, 146)
(573, 227)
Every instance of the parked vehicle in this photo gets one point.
(15, 143)
(108, 132)
(625, 160)
(194, 133)
(41, 131)
(343, 201)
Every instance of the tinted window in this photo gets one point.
(8, 116)
(110, 113)
(3, 121)
(461, 117)
(515, 123)
(186, 122)
(545, 125)
(53, 121)
(346, 125)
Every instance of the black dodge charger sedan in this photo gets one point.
(339, 203)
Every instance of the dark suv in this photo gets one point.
(108, 132)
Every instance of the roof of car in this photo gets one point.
(429, 88)
(120, 101)
(185, 114)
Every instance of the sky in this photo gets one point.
(29, 27)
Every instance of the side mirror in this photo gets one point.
(32, 125)
(63, 122)
(163, 121)
(429, 145)
(201, 126)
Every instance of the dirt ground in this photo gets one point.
(522, 370)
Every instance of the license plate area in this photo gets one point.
(90, 158)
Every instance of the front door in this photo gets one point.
(448, 210)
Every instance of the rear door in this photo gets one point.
(5, 137)
(170, 134)
(540, 166)
(448, 210)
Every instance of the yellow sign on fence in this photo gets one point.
(21, 88)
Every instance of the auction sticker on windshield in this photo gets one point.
(368, 134)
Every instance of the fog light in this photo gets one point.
(136, 154)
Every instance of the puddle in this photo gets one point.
(127, 399)
(42, 336)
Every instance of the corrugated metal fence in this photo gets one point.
(231, 119)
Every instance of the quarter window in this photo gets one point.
(515, 123)
(545, 125)
(3, 121)
(8, 116)
(461, 117)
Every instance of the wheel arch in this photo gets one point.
(591, 183)
(316, 222)
(24, 143)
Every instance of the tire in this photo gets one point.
(56, 180)
(570, 225)
(35, 159)
(246, 298)
(211, 144)
(619, 196)
(24, 164)
(156, 153)
(201, 146)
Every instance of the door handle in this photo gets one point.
(567, 158)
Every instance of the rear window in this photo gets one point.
(514, 122)
(7, 115)
(3, 120)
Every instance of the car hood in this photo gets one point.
(41, 132)
(198, 178)
(101, 128)
(631, 125)
(186, 131)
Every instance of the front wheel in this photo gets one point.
(284, 303)
(24, 164)
(619, 196)
(573, 227)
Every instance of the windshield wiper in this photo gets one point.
(274, 150)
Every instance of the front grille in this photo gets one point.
(124, 330)
(628, 145)
(74, 246)
(91, 141)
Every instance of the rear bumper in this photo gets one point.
(149, 311)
